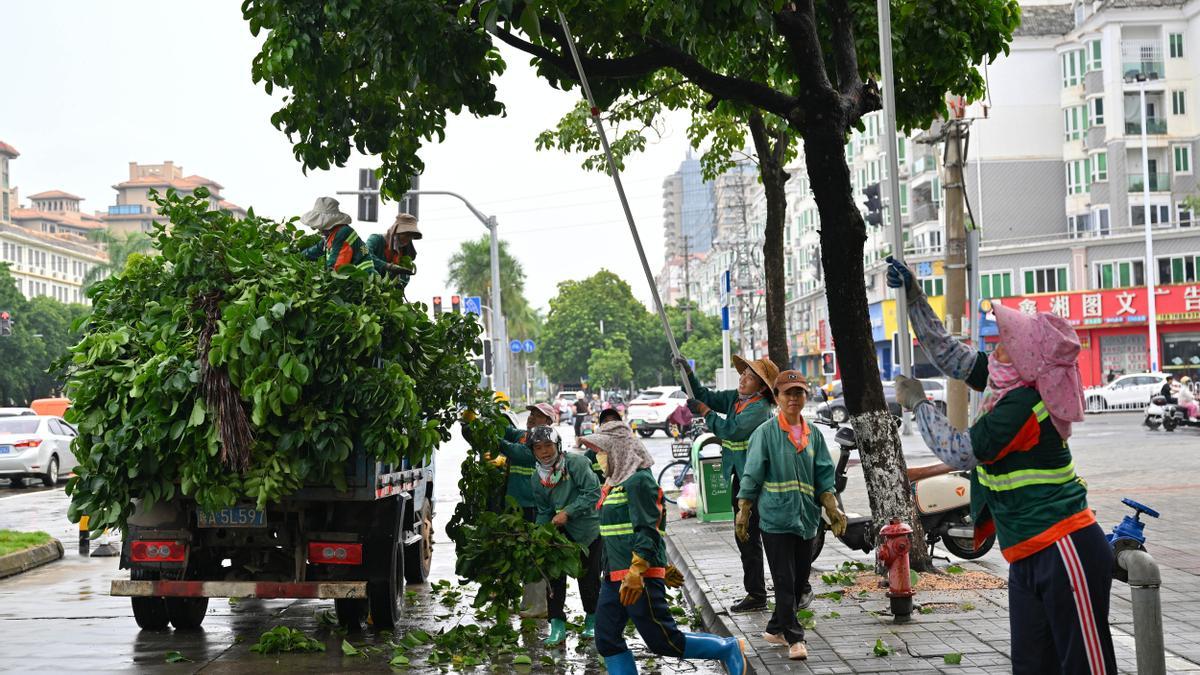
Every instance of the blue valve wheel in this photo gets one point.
(1140, 508)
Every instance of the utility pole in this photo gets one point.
(687, 287)
(955, 263)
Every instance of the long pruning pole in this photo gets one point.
(616, 176)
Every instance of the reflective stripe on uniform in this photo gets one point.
(1040, 410)
(1025, 478)
(616, 529)
(735, 446)
(521, 470)
(788, 486)
(613, 499)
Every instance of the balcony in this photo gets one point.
(1142, 58)
(1154, 127)
(1159, 182)
(126, 210)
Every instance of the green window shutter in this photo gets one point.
(1177, 275)
(1029, 287)
(1062, 280)
(1106, 276)
(985, 286)
(1007, 280)
(1124, 275)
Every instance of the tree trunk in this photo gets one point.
(843, 234)
(774, 178)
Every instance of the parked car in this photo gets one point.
(835, 409)
(35, 446)
(15, 412)
(1128, 392)
(935, 390)
(649, 411)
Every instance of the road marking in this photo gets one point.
(34, 493)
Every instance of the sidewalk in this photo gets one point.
(973, 623)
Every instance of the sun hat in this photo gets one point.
(545, 409)
(765, 369)
(404, 224)
(325, 215)
(1044, 348)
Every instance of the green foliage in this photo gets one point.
(42, 333)
(470, 272)
(283, 639)
(304, 366)
(952, 659)
(12, 541)
(610, 366)
(176, 657)
(120, 248)
(955, 569)
(881, 648)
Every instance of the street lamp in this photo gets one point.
(1149, 266)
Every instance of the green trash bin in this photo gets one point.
(716, 503)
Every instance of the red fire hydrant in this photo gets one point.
(894, 554)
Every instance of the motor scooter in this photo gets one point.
(941, 494)
(1170, 416)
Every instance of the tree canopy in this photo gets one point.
(42, 333)
(470, 271)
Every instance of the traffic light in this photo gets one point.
(828, 363)
(874, 205)
(368, 204)
(456, 304)
(437, 306)
(5, 324)
(487, 357)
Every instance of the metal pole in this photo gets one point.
(1144, 581)
(883, 8)
(727, 288)
(616, 176)
(1149, 268)
(498, 321)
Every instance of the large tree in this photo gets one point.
(118, 247)
(381, 75)
(42, 333)
(470, 271)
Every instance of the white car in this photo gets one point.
(16, 412)
(649, 411)
(935, 390)
(35, 446)
(1128, 392)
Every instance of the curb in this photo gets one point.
(23, 561)
(714, 621)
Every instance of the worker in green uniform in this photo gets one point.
(636, 573)
(394, 253)
(606, 416)
(566, 491)
(733, 415)
(790, 475)
(340, 244)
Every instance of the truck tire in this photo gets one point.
(418, 557)
(385, 565)
(186, 613)
(150, 613)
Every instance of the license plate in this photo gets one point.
(5, 449)
(681, 450)
(238, 516)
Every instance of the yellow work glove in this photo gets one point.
(498, 461)
(837, 519)
(632, 585)
(674, 578)
(469, 416)
(741, 524)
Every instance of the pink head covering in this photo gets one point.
(1045, 351)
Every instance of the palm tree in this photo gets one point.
(470, 271)
(119, 248)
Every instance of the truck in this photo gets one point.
(357, 546)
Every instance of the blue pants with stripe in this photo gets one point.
(1058, 607)
(651, 615)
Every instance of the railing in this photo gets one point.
(1151, 70)
(1159, 182)
(1093, 233)
(1142, 57)
(1154, 127)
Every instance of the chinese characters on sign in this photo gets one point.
(1173, 303)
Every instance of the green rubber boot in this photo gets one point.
(589, 627)
(558, 633)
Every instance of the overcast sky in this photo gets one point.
(91, 86)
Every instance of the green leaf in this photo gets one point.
(913, 578)
(522, 660)
(955, 569)
(197, 416)
(176, 657)
(881, 648)
(952, 659)
(399, 661)
(349, 649)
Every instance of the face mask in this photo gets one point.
(602, 460)
(1001, 375)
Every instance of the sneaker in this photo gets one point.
(805, 600)
(750, 603)
(798, 652)
(777, 640)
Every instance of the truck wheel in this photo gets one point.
(350, 612)
(150, 613)
(186, 613)
(385, 568)
(418, 557)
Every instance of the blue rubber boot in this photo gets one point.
(621, 664)
(558, 633)
(589, 627)
(706, 646)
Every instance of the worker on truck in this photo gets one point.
(340, 245)
(394, 253)
(732, 416)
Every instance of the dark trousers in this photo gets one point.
(651, 616)
(579, 417)
(790, 558)
(751, 551)
(1058, 607)
(589, 583)
(530, 513)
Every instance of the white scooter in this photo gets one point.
(1170, 416)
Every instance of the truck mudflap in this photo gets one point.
(326, 590)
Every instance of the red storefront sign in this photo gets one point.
(1178, 303)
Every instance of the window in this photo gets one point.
(901, 151)
(995, 285)
(1096, 111)
(935, 191)
(1046, 280)
(1073, 67)
(1099, 167)
(1119, 274)
(1160, 214)
(1077, 176)
(1178, 105)
(1185, 215)
(1074, 122)
(1182, 154)
(1080, 225)
(1100, 218)
(1095, 52)
(1178, 269)
(1176, 42)
(934, 286)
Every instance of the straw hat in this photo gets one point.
(765, 369)
(404, 224)
(325, 214)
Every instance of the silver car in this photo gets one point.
(35, 446)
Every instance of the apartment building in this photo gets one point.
(134, 212)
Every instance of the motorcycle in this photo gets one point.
(1170, 416)
(942, 496)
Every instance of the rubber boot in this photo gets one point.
(533, 605)
(621, 664)
(707, 646)
(558, 633)
(589, 627)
